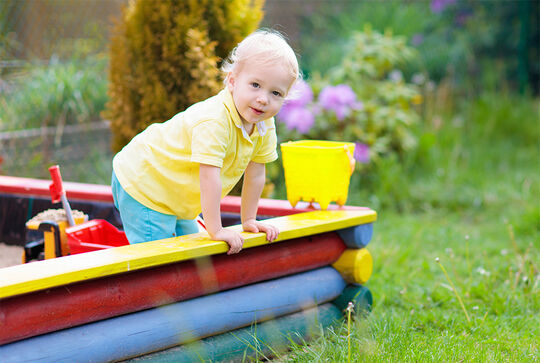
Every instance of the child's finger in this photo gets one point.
(235, 245)
(271, 232)
(253, 228)
(276, 233)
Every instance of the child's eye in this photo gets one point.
(276, 93)
(255, 85)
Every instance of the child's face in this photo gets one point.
(259, 91)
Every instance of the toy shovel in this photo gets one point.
(58, 193)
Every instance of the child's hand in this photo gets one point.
(233, 239)
(252, 225)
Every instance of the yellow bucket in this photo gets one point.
(317, 171)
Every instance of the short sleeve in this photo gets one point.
(267, 151)
(209, 142)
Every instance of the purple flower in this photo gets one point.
(341, 99)
(299, 95)
(296, 112)
(438, 6)
(299, 118)
(361, 153)
(284, 113)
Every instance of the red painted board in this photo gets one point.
(276, 207)
(102, 193)
(50, 310)
(40, 187)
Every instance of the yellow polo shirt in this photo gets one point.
(160, 166)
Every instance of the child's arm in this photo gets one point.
(210, 202)
(254, 179)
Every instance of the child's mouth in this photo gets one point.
(256, 111)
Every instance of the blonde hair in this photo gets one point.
(265, 46)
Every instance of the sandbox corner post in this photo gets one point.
(357, 236)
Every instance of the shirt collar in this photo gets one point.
(235, 117)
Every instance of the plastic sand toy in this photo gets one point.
(317, 171)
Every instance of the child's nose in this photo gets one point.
(262, 99)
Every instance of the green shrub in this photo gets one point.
(165, 57)
(371, 67)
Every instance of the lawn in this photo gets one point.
(469, 231)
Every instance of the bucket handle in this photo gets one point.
(352, 162)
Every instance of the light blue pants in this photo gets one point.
(143, 224)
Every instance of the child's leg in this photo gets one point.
(186, 226)
(140, 223)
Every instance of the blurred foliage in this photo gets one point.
(52, 64)
(165, 57)
(472, 42)
(57, 94)
(8, 43)
(42, 28)
(505, 117)
(326, 31)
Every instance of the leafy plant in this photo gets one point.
(58, 94)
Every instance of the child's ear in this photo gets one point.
(230, 81)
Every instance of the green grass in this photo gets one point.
(416, 315)
(472, 202)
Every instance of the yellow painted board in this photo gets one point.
(20, 279)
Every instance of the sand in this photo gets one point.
(10, 255)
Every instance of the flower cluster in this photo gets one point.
(297, 112)
(340, 99)
(438, 6)
(300, 111)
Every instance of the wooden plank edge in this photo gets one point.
(21, 279)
